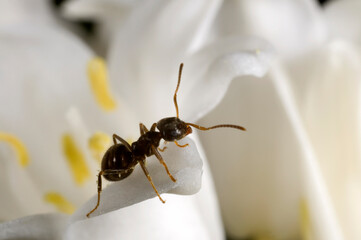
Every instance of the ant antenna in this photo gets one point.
(216, 126)
(195, 125)
(176, 90)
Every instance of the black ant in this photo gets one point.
(120, 159)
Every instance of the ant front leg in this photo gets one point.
(160, 158)
(152, 129)
(185, 145)
(164, 148)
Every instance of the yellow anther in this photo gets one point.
(18, 146)
(98, 79)
(75, 159)
(98, 144)
(305, 221)
(59, 202)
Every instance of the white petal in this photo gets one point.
(13, 12)
(184, 164)
(181, 212)
(42, 73)
(291, 26)
(257, 173)
(207, 200)
(95, 9)
(16, 183)
(149, 49)
(328, 96)
(159, 221)
(322, 221)
(209, 72)
(41, 227)
(109, 16)
(343, 18)
(179, 218)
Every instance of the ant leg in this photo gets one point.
(152, 129)
(185, 145)
(157, 154)
(99, 190)
(122, 141)
(164, 148)
(150, 179)
(143, 129)
(103, 173)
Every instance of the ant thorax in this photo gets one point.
(143, 147)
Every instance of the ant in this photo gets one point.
(120, 159)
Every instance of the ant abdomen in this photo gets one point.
(118, 157)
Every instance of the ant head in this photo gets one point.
(172, 129)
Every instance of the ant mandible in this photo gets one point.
(120, 159)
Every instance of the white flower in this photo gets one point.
(295, 173)
(50, 92)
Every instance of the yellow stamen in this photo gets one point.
(98, 78)
(19, 147)
(305, 221)
(98, 144)
(59, 202)
(75, 159)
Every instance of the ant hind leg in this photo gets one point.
(104, 173)
(99, 191)
(116, 137)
